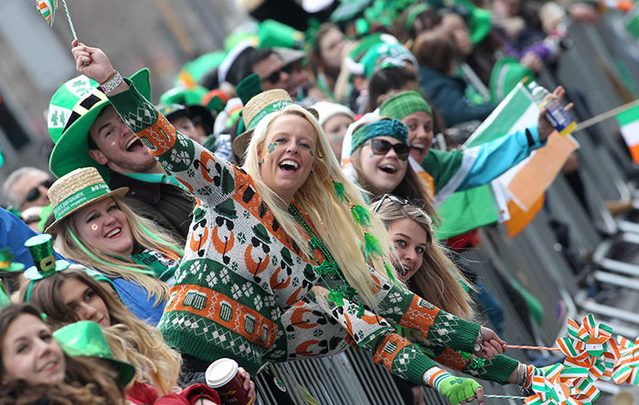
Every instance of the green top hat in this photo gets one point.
(73, 109)
(44, 262)
(85, 338)
(7, 264)
(274, 34)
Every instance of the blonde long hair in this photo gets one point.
(145, 233)
(331, 217)
(438, 280)
(148, 341)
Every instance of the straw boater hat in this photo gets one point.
(78, 189)
(258, 107)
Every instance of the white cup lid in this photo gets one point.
(220, 372)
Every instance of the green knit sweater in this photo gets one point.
(243, 290)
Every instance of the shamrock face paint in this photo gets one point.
(271, 147)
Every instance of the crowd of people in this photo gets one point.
(277, 205)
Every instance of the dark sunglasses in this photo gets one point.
(274, 77)
(381, 147)
(34, 193)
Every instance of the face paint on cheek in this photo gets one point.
(94, 227)
(271, 147)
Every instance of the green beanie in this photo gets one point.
(404, 104)
(385, 127)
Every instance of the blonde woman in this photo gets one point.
(266, 234)
(95, 227)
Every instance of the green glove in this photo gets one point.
(455, 389)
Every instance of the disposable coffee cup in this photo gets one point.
(222, 375)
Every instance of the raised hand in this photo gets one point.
(91, 62)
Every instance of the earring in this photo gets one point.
(260, 161)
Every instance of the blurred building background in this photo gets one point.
(35, 59)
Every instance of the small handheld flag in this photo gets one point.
(47, 9)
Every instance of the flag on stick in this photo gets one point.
(47, 9)
(629, 122)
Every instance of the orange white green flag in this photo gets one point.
(628, 121)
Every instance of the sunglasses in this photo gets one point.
(35, 193)
(381, 147)
(389, 197)
(274, 77)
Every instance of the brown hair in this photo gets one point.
(86, 381)
(436, 50)
(45, 295)
(438, 280)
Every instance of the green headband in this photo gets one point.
(413, 14)
(404, 104)
(393, 128)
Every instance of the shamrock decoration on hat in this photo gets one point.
(85, 338)
(45, 264)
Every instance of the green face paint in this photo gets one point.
(271, 147)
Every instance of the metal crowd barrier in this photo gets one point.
(533, 258)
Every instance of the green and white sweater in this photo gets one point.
(243, 289)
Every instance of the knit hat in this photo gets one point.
(328, 110)
(85, 339)
(383, 55)
(384, 127)
(78, 189)
(258, 107)
(73, 109)
(404, 104)
(6, 262)
(44, 262)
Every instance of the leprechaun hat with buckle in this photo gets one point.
(44, 262)
(85, 339)
(73, 109)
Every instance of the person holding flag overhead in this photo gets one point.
(280, 236)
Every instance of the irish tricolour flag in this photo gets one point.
(629, 123)
(517, 195)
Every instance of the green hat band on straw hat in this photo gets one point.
(276, 106)
(80, 197)
(385, 127)
(404, 104)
